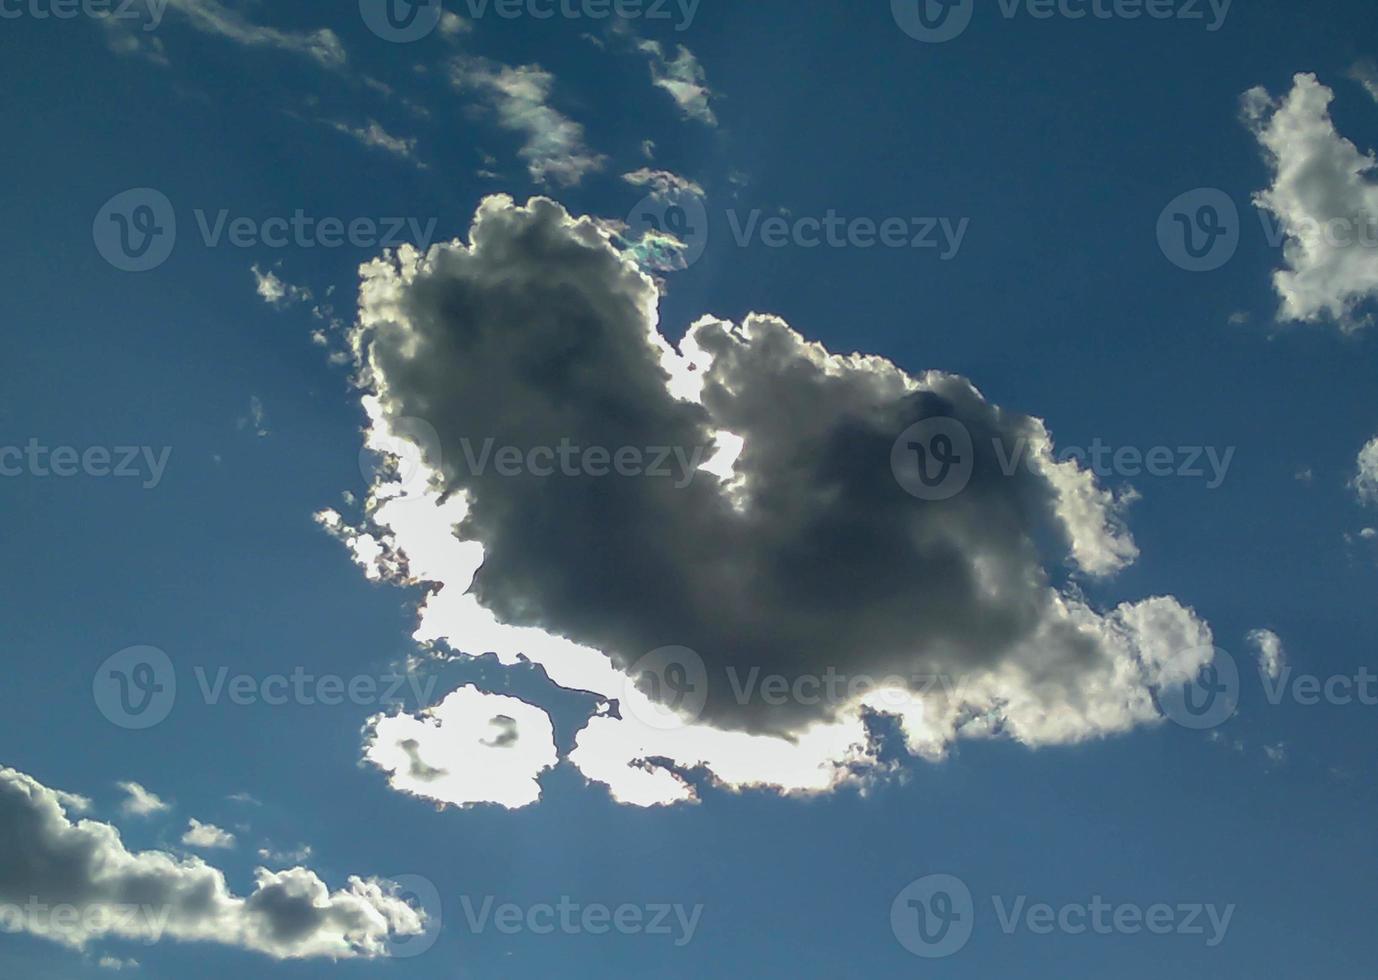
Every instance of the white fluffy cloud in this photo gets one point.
(207, 836)
(471, 748)
(48, 862)
(1325, 199)
(139, 802)
(787, 547)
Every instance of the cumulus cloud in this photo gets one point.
(207, 835)
(683, 78)
(1271, 656)
(139, 802)
(554, 148)
(778, 543)
(1325, 200)
(48, 861)
(471, 748)
(1366, 477)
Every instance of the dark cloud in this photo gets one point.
(811, 557)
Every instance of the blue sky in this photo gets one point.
(1058, 608)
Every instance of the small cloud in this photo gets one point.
(1271, 656)
(297, 855)
(683, 78)
(662, 182)
(1239, 318)
(554, 148)
(648, 149)
(1365, 72)
(244, 798)
(115, 963)
(275, 292)
(257, 419)
(206, 835)
(140, 802)
(1277, 754)
(375, 136)
(452, 25)
(1365, 481)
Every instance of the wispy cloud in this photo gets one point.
(375, 136)
(683, 78)
(554, 147)
(130, 36)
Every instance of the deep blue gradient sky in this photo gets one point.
(1060, 141)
